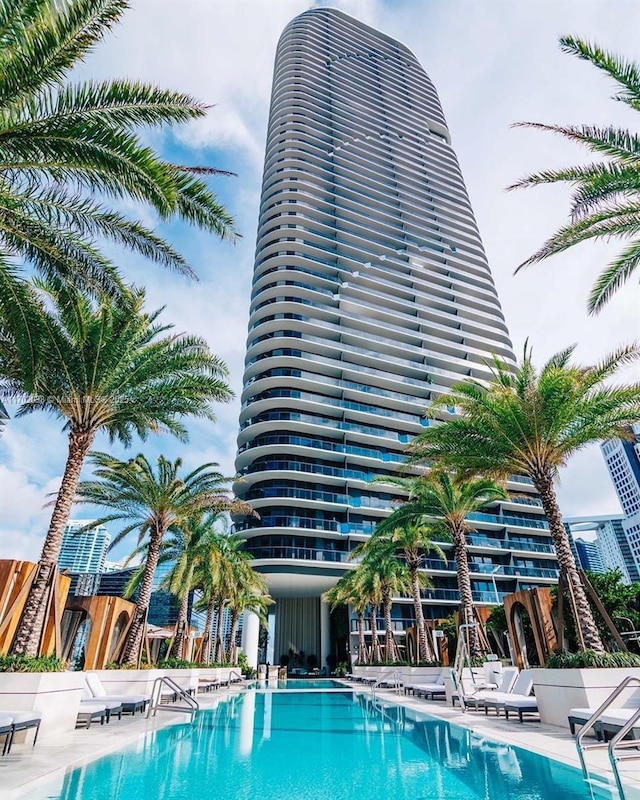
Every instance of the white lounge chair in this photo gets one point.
(427, 690)
(6, 730)
(520, 705)
(474, 696)
(521, 688)
(129, 703)
(90, 710)
(609, 723)
(22, 721)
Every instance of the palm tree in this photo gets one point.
(212, 575)
(606, 193)
(150, 503)
(185, 548)
(389, 577)
(105, 368)
(348, 592)
(445, 501)
(531, 422)
(69, 149)
(248, 592)
(369, 586)
(412, 538)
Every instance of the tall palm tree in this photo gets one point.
(605, 202)
(248, 592)
(185, 548)
(150, 503)
(371, 591)
(531, 422)
(108, 367)
(212, 575)
(348, 592)
(390, 577)
(412, 539)
(445, 501)
(69, 149)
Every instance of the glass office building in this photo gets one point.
(85, 551)
(371, 297)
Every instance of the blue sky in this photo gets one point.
(493, 63)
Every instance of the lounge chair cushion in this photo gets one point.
(91, 707)
(521, 701)
(6, 722)
(95, 685)
(24, 717)
(619, 716)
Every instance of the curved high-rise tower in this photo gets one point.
(371, 296)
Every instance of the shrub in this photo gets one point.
(31, 664)
(178, 663)
(243, 666)
(590, 659)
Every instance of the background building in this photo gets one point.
(610, 548)
(623, 462)
(86, 551)
(371, 296)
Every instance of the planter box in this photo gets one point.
(56, 695)
(185, 678)
(128, 682)
(559, 690)
(419, 674)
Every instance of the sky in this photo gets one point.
(493, 63)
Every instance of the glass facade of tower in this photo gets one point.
(371, 296)
(86, 551)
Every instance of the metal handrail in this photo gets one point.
(617, 743)
(156, 696)
(238, 675)
(397, 682)
(590, 724)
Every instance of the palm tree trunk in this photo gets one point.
(183, 616)
(133, 643)
(219, 648)
(588, 635)
(208, 626)
(464, 587)
(424, 651)
(181, 626)
(235, 617)
(390, 649)
(362, 645)
(375, 639)
(32, 621)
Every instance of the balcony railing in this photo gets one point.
(299, 553)
(508, 519)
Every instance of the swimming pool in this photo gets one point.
(320, 746)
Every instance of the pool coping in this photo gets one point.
(52, 761)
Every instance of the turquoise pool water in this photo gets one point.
(300, 683)
(320, 746)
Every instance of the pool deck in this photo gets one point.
(35, 772)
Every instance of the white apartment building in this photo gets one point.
(371, 297)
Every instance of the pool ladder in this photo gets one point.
(190, 706)
(395, 682)
(618, 742)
